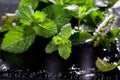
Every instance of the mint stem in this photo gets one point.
(79, 21)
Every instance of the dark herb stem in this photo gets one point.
(79, 21)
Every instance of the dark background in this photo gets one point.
(8, 6)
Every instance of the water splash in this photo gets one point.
(73, 73)
(118, 44)
(3, 66)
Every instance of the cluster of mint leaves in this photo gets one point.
(55, 19)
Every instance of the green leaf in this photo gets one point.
(33, 3)
(57, 40)
(25, 13)
(89, 3)
(6, 28)
(57, 13)
(64, 2)
(113, 34)
(104, 66)
(80, 37)
(59, 2)
(18, 40)
(112, 2)
(44, 1)
(96, 17)
(39, 16)
(51, 47)
(65, 50)
(82, 12)
(46, 29)
(66, 31)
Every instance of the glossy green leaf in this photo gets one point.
(39, 16)
(89, 3)
(113, 34)
(83, 11)
(6, 28)
(58, 15)
(65, 50)
(57, 40)
(33, 3)
(59, 2)
(112, 2)
(64, 2)
(51, 47)
(46, 29)
(104, 66)
(96, 17)
(25, 13)
(18, 40)
(80, 37)
(80, 12)
(76, 1)
(66, 31)
(62, 41)
(44, 1)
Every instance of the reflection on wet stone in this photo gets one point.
(90, 74)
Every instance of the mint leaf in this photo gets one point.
(25, 13)
(104, 66)
(65, 50)
(113, 34)
(6, 28)
(81, 2)
(62, 41)
(46, 29)
(51, 47)
(59, 2)
(65, 2)
(83, 11)
(111, 2)
(57, 40)
(33, 3)
(89, 3)
(18, 40)
(96, 17)
(80, 12)
(80, 37)
(39, 16)
(44, 1)
(57, 13)
(66, 31)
